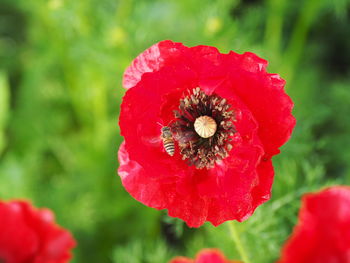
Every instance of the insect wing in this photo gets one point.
(152, 141)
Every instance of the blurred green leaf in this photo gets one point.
(4, 108)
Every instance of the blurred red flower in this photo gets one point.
(322, 234)
(30, 235)
(226, 116)
(205, 256)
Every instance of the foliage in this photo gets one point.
(61, 65)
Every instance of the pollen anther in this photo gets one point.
(205, 126)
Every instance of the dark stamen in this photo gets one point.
(199, 151)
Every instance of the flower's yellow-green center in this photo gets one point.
(205, 126)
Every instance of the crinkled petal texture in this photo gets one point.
(205, 256)
(30, 235)
(322, 234)
(155, 82)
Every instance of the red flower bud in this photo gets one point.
(205, 256)
(30, 235)
(322, 234)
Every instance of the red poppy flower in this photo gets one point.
(205, 256)
(200, 129)
(322, 234)
(30, 235)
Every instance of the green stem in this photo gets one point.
(274, 25)
(239, 246)
(298, 39)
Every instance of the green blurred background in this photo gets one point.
(61, 66)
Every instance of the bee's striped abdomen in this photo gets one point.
(169, 146)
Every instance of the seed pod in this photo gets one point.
(205, 126)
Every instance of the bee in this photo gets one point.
(168, 140)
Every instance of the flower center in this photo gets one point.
(203, 128)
